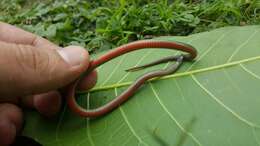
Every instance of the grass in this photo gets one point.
(103, 24)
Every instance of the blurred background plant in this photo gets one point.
(104, 24)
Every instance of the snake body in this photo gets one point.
(190, 55)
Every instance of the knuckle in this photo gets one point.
(32, 59)
(35, 40)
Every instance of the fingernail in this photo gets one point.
(73, 55)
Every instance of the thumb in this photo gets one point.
(27, 70)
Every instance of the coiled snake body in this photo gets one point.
(190, 55)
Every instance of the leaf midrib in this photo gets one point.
(202, 70)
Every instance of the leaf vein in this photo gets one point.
(242, 45)
(114, 70)
(59, 124)
(223, 105)
(140, 61)
(208, 50)
(255, 136)
(249, 71)
(216, 67)
(88, 124)
(179, 89)
(172, 117)
(129, 124)
(116, 131)
(229, 78)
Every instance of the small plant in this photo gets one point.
(103, 24)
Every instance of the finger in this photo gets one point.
(9, 100)
(7, 132)
(48, 104)
(26, 101)
(10, 123)
(12, 34)
(88, 82)
(29, 70)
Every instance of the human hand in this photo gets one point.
(32, 69)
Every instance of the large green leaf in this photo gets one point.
(214, 100)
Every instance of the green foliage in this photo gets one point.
(105, 23)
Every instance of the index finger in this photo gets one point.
(12, 34)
